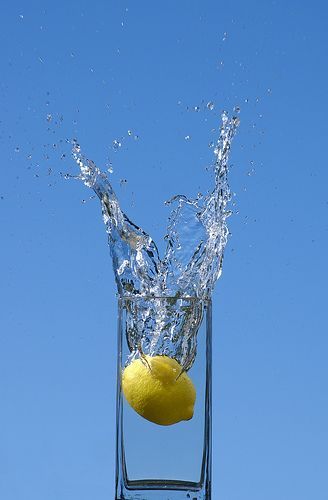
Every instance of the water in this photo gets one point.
(196, 237)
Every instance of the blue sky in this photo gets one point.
(97, 70)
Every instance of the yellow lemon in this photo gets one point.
(155, 389)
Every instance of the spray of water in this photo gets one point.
(196, 238)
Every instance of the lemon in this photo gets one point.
(156, 389)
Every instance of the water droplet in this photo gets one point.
(225, 35)
(269, 91)
(210, 105)
(29, 157)
(236, 109)
(76, 146)
(187, 137)
(246, 100)
(17, 150)
(196, 108)
(129, 132)
(116, 144)
(49, 117)
(83, 202)
(136, 137)
(21, 16)
(211, 144)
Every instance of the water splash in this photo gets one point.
(196, 238)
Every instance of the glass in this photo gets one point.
(165, 462)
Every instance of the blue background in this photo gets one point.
(103, 68)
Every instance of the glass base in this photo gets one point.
(165, 490)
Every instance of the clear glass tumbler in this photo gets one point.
(165, 462)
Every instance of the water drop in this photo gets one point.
(187, 137)
(17, 150)
(236, 121)
(236, 109)
(196, 108)
(49, 117)
(129, 132)
(210, 105)
(116, 144)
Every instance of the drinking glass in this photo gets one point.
(165, 462)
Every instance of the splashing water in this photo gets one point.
(196, 238)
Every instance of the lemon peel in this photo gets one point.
(158, 390)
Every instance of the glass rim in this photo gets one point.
(162, 297)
